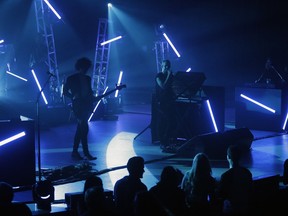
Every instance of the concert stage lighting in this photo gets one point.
(109, 5)
(19, 77)
(188, 70)
(285, 122)
(95, 108)
(111, 40)
(52, 8)
(43, 194)
(258, 103)
(171, 44)
(1, 41)
(12, 138)
(119, 83)
(211, 115)
(39, 86)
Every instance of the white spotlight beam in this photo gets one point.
(12, 138)
(111, 40)
(19, 77)
(52, 8)
(39, 86)
(119, 82)
(1, 41)
(212, 116)
(188, 70)
(171, 44)
(257, 103)
(95, 108)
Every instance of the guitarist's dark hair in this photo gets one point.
(83, 63)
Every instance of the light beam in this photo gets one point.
(39, 86)
(111, 40)
(52, 8)
(258, 103)
(119, 82)
(12, 138)
(171, 44)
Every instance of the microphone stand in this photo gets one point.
(38, 128)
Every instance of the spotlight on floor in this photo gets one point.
(43, 194)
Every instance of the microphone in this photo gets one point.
(51, 74)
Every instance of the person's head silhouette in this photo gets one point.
(135, 166)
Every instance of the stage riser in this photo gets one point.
(248, 114)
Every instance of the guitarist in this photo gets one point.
(78, 89)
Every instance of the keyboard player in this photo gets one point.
(166, 100)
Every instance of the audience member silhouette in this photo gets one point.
(7, 206)
(91, 181)
(236, 185)
(146, 203)
(168, 192)
(126, 188)
(199, 186)
(283, 190)
(96, 204)
(285, 172)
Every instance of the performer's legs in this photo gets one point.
(77, 139)
(162, 131)
(168, 129)
(84, 140)
(81, 135)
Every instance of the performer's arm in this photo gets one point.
(160, 79)
(67, 91)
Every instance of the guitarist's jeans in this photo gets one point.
(82, 133)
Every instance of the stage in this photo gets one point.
(114, 141)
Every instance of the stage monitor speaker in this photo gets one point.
(215, 144)
(242, 137)
(17, 157)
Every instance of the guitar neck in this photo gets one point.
(107, 93)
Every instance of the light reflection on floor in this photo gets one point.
(119, 150)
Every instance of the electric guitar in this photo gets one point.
(118, 87)
(83, 105)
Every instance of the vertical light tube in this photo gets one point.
(95, 108)
(52, 8)
(171, 44)
(119, 82)
(212, 116)
(285, 122)
(39, 86)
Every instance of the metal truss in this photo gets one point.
(101, 61)
(45, 31)
(162, 52)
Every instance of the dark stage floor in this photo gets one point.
(113, 142)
